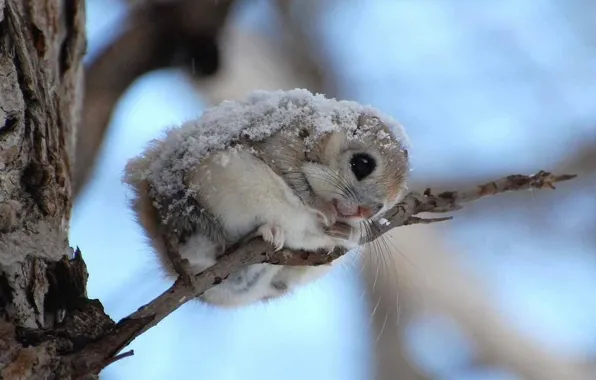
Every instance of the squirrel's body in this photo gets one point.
(278, 163)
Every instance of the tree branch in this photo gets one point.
(256, 251)
(447, 201)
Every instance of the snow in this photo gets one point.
(255, 118)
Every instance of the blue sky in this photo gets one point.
(483, 88)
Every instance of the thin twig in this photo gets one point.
(107, 362)
(119, 357)
(416, 220)
(447, 201)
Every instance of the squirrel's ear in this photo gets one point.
(331, 145)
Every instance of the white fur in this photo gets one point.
(246, 195)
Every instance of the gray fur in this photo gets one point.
(193, 219)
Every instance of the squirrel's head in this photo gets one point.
(363, 170)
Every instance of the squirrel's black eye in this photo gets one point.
(362, 165)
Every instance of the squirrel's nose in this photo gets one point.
(368, 212)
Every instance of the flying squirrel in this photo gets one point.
(286, 164)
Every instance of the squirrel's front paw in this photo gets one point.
(273, 235)
(326, 213)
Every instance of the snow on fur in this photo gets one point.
(257, 117)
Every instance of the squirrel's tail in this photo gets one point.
(136, 176)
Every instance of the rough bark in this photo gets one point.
(42, 281)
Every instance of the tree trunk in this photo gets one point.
(44, 313)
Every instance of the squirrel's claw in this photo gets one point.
(273, 235)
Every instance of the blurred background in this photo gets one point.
(484, 89)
